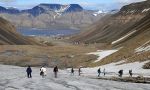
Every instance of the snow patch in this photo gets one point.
(115, 67)
(99, 12)
(63, 9)
(133, 11)
(120, 39)
(14, 78)
(143, 48)
(145, 10)
(102, 54)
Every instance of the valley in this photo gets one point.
(67, 35)
(112, 32)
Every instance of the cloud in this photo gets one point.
(100, 6)
(116, 4)
(90, 5)
(128, 1)
(7, 1)
(87, 4)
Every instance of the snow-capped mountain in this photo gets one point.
(9, 10)
(50, 15)
(44, 8)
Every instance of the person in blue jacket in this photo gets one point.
(29, 71)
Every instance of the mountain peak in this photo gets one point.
(70, 7)
(42, 8)
(74, 8)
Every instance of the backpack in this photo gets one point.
(98, 70)
(41, 73)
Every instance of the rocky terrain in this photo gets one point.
(51, 16)
(113, 27)
(128, 30)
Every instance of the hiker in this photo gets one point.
(43, 71)
(104, 72)
(29, 71)
(130, 73)
(72, 71)
(55, 71)
(79, 71)
(99, 72)
(120, 73)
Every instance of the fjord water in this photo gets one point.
(47, 32)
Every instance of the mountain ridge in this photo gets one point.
(51, 16)
(115, 25)
(127, 30)
(42, 8)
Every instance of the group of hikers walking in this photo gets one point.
(55, 70)
(79, 71)
(42, 71)
(120, 72)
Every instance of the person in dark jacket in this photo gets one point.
(99, 72)
(104, 71)
(79, 71)
(130, 73)
(29, 71)
(55, 71)
(120, 73)
(72, 71)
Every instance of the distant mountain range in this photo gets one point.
(58, 8)
(43, 8)
(51, 16)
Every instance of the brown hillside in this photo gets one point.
(140, 38)
(9, 36)
(128, 29)
(113, 27)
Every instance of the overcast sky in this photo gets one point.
(86, 4)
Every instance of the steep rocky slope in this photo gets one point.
(111, 28)
(135, 47)
(8, 35)
(129, 30)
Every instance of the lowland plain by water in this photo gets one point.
(46, 32)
